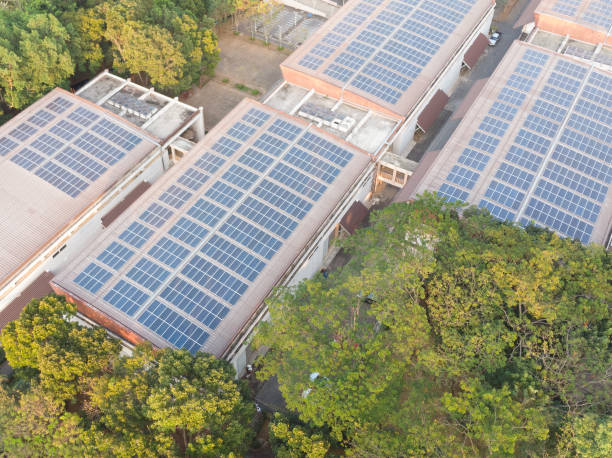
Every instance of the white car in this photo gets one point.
(494, 38)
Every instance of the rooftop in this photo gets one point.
(156, 113)
(363, 128)
(191, 261)
(587, 20)
(57, 158)
(385, 53)
(535, 146)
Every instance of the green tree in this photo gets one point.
(292, 441)
(63, 354)
(446, 334)
(197, 400)
(34, 57)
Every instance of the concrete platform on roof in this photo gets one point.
(547, 40)
(152, 111)
(369, 132)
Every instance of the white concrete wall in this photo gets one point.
(83, 231)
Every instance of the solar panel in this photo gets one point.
(59, 105)
(80, 163)
(6, 146)
(116, 134)
(22, 132)
(557, 166)
(194, 257)
(176, 329)
(93, 277)
(61, 179)
(27, 159)
(41, 118)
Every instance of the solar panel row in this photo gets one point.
(194, 251)
(562, 141)
(73, 156)
(398, 40)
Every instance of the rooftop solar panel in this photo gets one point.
(542, 154)
(411, 33)
(195, 253)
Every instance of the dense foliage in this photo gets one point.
(450, 336)
(72, 394)
(44, 43)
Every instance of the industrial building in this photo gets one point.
(534, 147)
(588, 21)
(69, 163)
(397, 59)
(580, 29)
(249, 208)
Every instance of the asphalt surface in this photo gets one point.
(446, 124)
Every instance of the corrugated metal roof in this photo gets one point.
(57, 160)
(193, 258)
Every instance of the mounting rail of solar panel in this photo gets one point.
(57, 158)
(536, 146)
(191, 260)
(385, 53)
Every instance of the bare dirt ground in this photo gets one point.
(244, 62)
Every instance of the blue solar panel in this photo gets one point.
(136, 235)
(99, 149)
(193, 179)
(283, 199)
(59, 105)
(505, 195)
(267, 217)
(22, 132)
(83, 116)
(115, 255)
(27, 159)
(567, 200)
(168, 252)
(47, 144)
(558, 220)
(473, 159)
(256, 160)
(156, 215)
(188, 231)
(206, 212)
(310, 164)
(41, 118)
(175, 196)
(226, 146)
(214, 279)
(233, 257)
(80, 163)
(240, 176)
(294, 179)
(256, 117)
(451, 193)
(65, 130)
(61, 179)
(116, 134)
(176, 329)
(224, 194)
(148, 274)
(251, 237)
(93, 277)
(126, 297)
(6, 146)
(194, 302)
(241, 131)
(462, 177)
(497, 211)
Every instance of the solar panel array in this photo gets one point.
(180, 265)
(67, 145)
(596, 12)
(380, 47)
(558, 167)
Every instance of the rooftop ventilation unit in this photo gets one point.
(326, 117)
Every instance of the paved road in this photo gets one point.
(446, 124)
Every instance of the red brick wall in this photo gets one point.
(563, 27)
(322, 87)
(101, 318)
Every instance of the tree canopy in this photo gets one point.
(44, 43)
(73, 394)
(448, 334)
